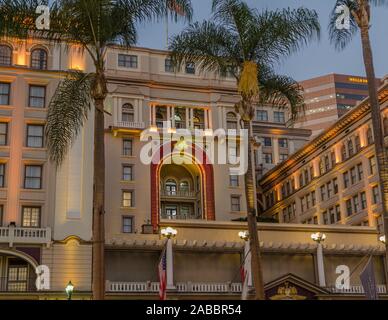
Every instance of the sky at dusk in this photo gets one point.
(318, 58)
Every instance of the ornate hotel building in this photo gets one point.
(46, 211)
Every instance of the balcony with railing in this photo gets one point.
(20, 284)
(180, 194)
(182, 287)
(131, 125)
(381, 289)
(168, 215)
(15, 235)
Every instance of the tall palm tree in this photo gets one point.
(93, 25)
(249, 43)
(360, 21)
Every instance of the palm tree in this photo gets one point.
(248, 43)
(359, 20)
(93, 25)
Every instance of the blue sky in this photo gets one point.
(317, 59)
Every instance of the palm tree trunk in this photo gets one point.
(98, 275)
(381, 154)
(257, 270)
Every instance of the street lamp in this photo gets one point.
(244, 235)
(318, 237)
(382, 239)
(69, 290)
(169, 233)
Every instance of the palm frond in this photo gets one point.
(68, 111)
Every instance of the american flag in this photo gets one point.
(163, 276)
(244, 279)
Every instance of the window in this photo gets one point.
(350, 148)
(168, 65)
(321, 167)
(127, 147)
(325, 218)
(283, 143)
(127, 173)
(128, 113)
(1, 215)
(283, 157)
(37, 98)
(35, 136)
(376, 194)
(231, 121)
(301, 182)
(364, 203)
(267, 157)
(372, 165)
(343, 153)
(349, 208)
(306, 176)
(33, 177)
(5, 90)
(335, 184)
(327, 163)
(369, 136)
(323, 193)
(333, 159)
(234, 181)
(3, 133)
(360, 171)
(303, 204)
(2, 175)
(311, 169)
(353, 175)
(329, 190)
(17, 276)
(313, 198)
(267, 142)
(190, 68)
(5, 55)
(358, 143)
(338, 212)
(235, 202)
(39, 59)
(262, 115)
(171, 187)
(308, 203)
(279, 117)
(128, 61)
(128, 199)
(31, 217)
(346, 179)
(356, 204)
(184, 186)
(128, 225)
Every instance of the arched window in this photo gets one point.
(184, 186)
(343, 153)
(369, 136)
(231, 121)
(128, 113)
(5, 55)
(39, 59)
(171, 187)
(358, 143)
(385, 126)
(350, 148)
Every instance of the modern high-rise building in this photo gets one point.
(46, 211)
(328, 98)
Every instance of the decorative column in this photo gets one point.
(319, 238)
(187, 113)
(173, 117)
(247, 278)
(276, 150)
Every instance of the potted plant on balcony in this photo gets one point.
(147, 227)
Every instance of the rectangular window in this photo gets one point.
(372, 165)
(335, 184)
(279, 117)
(283, 157)
(313, 198)
(35, 136)
(308, 198)
(169, 66)
(234, 181)
(267, 158)
(17, 276)
(338, 212)
(267, 142)
(376, 194)
(349, 208)
(3, 133)
(127, 173)
(128, 199)
(235, 203)
(301, 182)
(329, 190)
(325, 218)
(353, 175)
(5, 90)
(190, 68)
(127, 147)
(364, 203)
(31, 217)
(333, 159)
(33, 177)
(2, 175)
(128, 61)
(37, 97)
(327, 163)
(128, 225)
(332, 215)
(323, 193)
(283, 143)
(356, 204)
(306, 176)
(262, 115)
(360, 171)
(358, 143)
(303, 203)
(346, 179)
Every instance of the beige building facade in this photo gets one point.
(46, 212)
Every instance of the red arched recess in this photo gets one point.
(207, 182)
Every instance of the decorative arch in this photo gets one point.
(6, 54)
(20, 255)
(207, 176)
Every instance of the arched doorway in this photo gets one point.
(181, 190)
